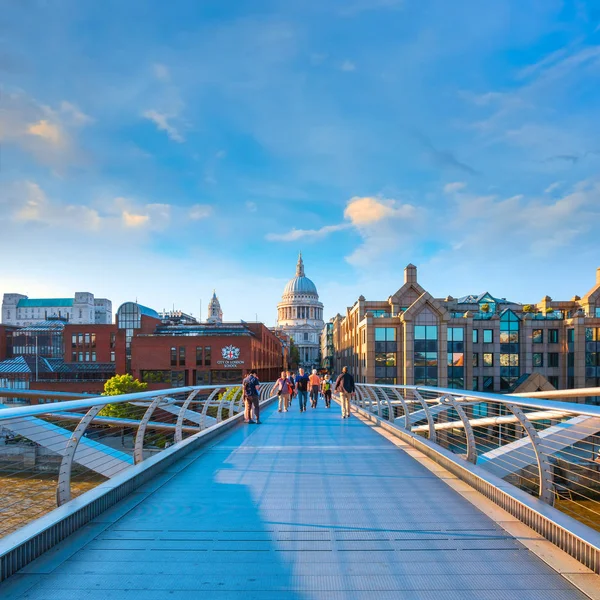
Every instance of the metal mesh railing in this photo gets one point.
(53, 452)
(547, 447)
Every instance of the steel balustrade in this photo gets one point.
(51, 425)
(551, 433)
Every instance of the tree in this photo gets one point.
(294, 356)
(117, 385)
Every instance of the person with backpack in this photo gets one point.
(344, 386)
(291, 379)
(283, 387)
(251, 387)
(326, 389)
(315, 386)
(302, 389)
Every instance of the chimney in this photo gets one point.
(410, 274)
(598, 276)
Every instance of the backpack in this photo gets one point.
(250, 386)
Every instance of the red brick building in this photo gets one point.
(60, 356)
(203, 354)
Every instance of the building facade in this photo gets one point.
(300, 316)
(477, 342)
(19, 310)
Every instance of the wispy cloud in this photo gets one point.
(444, 159)
(161, 72)
(455, 186)
(553, 187)
(348, 66)
(306, 234)
(161, 120)
(132, 220)
(200, 211)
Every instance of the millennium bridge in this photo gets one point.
(424, 493)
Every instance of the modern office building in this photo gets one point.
(19, 310)
(300, 315)
(478, 342)
(327, 348)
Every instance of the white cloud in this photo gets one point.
(200, 211)
(300, 234)
(132, 220)
(32, 205)
(161, 72)
(161, 120)
(456, 186)
(251, 206)
(553, 187)
(365, 210)
(49, 132)
(348, 66)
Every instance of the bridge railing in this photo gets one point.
(545, 446)
(60, 448)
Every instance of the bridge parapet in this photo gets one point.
(537, 457)
(56, 451)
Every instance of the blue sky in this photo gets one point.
(158, 150)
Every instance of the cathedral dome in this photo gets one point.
(300, 284)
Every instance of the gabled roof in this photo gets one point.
(476, 299)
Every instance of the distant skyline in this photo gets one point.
(160, 150)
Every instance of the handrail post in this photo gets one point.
(432, 435)
(138, 452)
(546, 488)
(63, 487)
(471, 455)
(181, 416)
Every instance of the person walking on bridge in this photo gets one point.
(326, 389)
(284, 389)
(251, 387)
(302, 389)
(344, 386)
(315, 385)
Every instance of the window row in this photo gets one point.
(203, 356)
(80, 339)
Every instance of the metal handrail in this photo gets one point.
(44, 424)
(542, 445)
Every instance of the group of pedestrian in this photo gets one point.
(301, 385)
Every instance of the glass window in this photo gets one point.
(553, 381)
(570, 335)
(488, 359)
(475, 384)
(538, 336)
(80, 338)
(80, 356)
(74, 340)
(553, 336)
(87, 338)
(181, 356)
(475, 359)
(74, 356)
(385, 334)
(488, 384)
(553, 359)
(475, 336)
(113, 340)
(456, 334)
(198, 355)
(426, 355)
(93, 357)
(207, 356)
(538, 359)
(488, 336)
(87, 357)
(112, 357)
(173, 357)
(93, 337)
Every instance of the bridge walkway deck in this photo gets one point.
(304, 506)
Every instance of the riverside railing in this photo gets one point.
(545, 447)
(59, 449)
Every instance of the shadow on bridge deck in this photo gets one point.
(304, 506)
